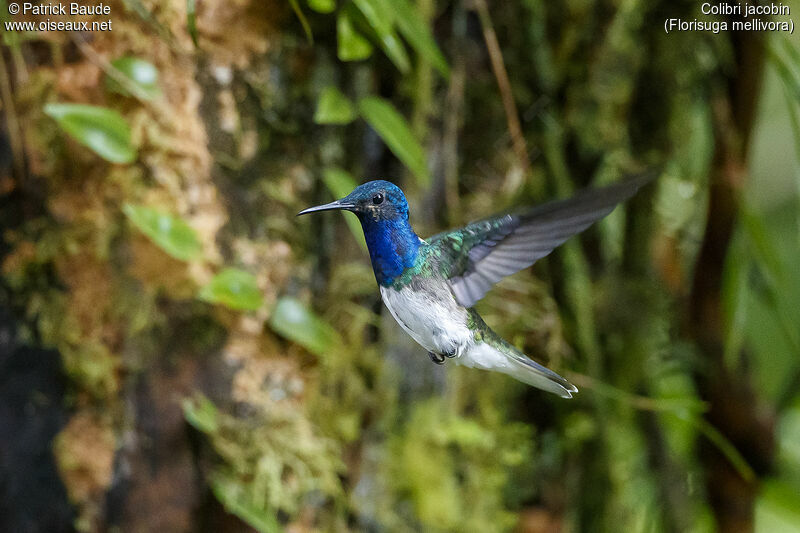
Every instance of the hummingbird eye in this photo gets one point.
(377, 199)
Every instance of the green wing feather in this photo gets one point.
(482, 253)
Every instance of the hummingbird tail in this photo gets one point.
(530, 372)
(494, 353)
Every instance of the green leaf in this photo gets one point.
(101, 129)
(352, 46)
(201, 413)
(303, 21)
(395, 132)
(725, 446)
(191, 20)
(322, 6)
(141, 78)
(291, 319)
(334, 108)
(776, 508)
(169, 233)
(416, 31)
(230, 494)
(340, 183)
(381, 19)
(233, 288)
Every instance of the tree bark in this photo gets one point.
(734, 407)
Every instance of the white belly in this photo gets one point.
(438, 323)
(435, 321)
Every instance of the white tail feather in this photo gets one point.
(511, 362)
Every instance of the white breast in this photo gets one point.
(433, 319)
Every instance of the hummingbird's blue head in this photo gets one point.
(378, 200)
(383, 211)
(375, 200)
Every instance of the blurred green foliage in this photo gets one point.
(340, 183)
(333, 108)
(397, 135)
(331, 412)
(170, 233)
(234, 288)
(140, 78)
(268, 462)
(352, 45)
(292, 320)
(103, 130)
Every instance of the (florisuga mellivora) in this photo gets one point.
(430, 286)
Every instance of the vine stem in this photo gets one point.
(503, 84)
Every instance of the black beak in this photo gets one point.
(338, 204)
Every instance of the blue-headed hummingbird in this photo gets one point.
(430, 286)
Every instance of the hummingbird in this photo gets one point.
(431, 286)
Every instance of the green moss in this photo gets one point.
(453, 468)
(88, 362)
(269, 462)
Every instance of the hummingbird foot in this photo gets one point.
(436, 358)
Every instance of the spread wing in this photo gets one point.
(484, 252)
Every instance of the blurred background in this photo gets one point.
(178, 352)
